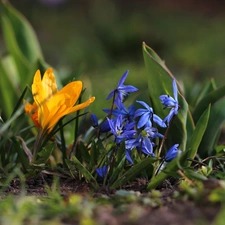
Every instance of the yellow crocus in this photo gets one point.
(50, 105)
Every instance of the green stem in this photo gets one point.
(63, 143)
(114, 95)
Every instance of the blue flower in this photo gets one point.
(144, 141)
(120, 130)
(127, 114)
(170, 102)
(146, 145)
(102, 171)
(102, 127)
(146, 116)
(94, 120)
(152, 132)
(122, 91)
(172, 153)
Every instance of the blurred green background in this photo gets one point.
(97, 40)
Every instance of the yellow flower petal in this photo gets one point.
(44, 89)
(32, 110)
(82, 105)
(73, 90)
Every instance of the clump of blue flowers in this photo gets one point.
(137, 129)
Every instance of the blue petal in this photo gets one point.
(143, 120)
(102, 171)
(170, 116)
(130, 144)
(172, 153)
(104, 127)
(158, 121)
(111, 125)
(146, 106)
(127, 88)
(111, 94)
(140, 112)
(147, 147)
(175, 90)
(128, 157)
(123, 78)
(94, 120)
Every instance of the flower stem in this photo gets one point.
(114, 95)
(159, 167)
(164, 137)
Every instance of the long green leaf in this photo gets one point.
(85, 172)
(159, 80)
(133, 172)
(22, 64)
(7, 93)
(198, 133)
(216, 119)
(23, 33)
(117, 170)
(210, 98)
(21, 41)
(210, 86)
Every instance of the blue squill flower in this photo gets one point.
(172, 153)
(170, 102)
(102, 171)
(94, 120)
(144, 144)
(127, 114)
(146, 116)
(120, 130)
(152, 132)
(122, 91)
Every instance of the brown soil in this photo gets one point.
(172, 211)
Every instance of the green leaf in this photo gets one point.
(8, 123)
(210, 86)
(196, 138)
(194, 175)
(159, 80)
(94, 153)
(44, 154)
(216, 120)
(119, 168)
(7, 92)
(22, 64)
(21, 41)
(85, 172)
(210, 98)
(23, 33)
(133, 172)
(171, 168)
(84, 152)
